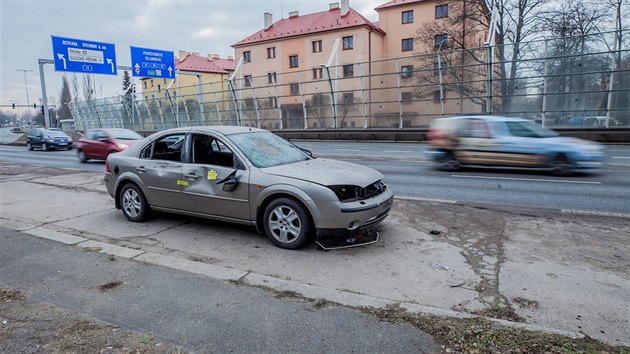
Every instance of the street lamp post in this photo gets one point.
(28, 102)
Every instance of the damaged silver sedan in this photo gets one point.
(250, 176)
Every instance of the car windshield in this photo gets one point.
(54, 133)
(265, 149)
(529, 130)
(125, 135)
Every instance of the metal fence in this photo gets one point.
(576, 81)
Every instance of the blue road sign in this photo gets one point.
(82, 56)
(147, 62)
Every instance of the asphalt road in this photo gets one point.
(410, 174)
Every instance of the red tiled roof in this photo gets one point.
(308, 24)
(202, 64)
(395, 3)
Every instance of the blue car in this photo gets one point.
(495, 141)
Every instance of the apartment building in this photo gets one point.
(376, 72)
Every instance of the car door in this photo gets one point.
(476, 143)
(160, 169)
(209, 167)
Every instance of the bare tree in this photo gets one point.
(88, 87)
(64, 98)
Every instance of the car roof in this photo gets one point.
(221, 129)
(492, 118)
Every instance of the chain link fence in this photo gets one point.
(569, 82)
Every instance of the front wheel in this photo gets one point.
(29, 146)
(560, 166)
(45, 147)
(82, 157)
(134, 204)
(287, 223)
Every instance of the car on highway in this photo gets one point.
(97, 144)
(48, 139)
(495, 141)
(254, 177)
(593, 122)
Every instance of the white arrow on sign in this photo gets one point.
(109, 61)
(61, 57)
(170, 71)
(137, 67)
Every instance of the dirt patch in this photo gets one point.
(8, 295)
(110, 285)
(478, 335)
(27, 327)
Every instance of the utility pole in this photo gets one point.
(28, 102)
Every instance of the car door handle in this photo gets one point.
(191, 175)
(141, 169)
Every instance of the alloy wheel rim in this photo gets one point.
(131, 203)
(285, 224)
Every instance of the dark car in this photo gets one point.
(97, 144)
(48, 139)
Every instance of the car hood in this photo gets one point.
(127, 142)
(574, 142)
(327, 172)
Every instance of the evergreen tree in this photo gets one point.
(63, 111)
(126, 82)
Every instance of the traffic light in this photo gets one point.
(13, 104)
(42, 109)
(34, 105)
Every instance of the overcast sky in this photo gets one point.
(204, 26)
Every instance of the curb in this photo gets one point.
(341, 297)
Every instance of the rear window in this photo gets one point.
(125, 135)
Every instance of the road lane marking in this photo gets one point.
(405, 151)
(621, 157)
(347, 150)
(595, 213)
(526, 179)
(417, 199)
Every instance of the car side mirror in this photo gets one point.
(230, 182)
(104, 140)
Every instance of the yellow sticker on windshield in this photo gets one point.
(212, 174)
(182, 183)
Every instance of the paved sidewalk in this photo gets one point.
(565, 273)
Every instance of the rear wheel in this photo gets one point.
(449, 162)
(287, 223)
(81, 156)
(29, 146)
(560, 166)
(134, 204)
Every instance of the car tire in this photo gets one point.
(449, 162)
(44, 147)
(560, 166)
(81, 156)
(29, 146)
(287, 223)
(133, 203)
(69, 147)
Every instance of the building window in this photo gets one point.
(295, 89)
(348, 70)
(348, 98)
(441, 11)
(407, 16)
(272, 78)
(248, 80)
(145, 85)
(318, 73)
(406, 71)
(436, 96)
(407, 44)
(348, 42)
(441, 41)
(247, 56)
(271, 52)
(406, 97)
(159, 88)
(317, 46)
(164, 81)
(294, 62)
(151, 82)
(273, 102)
